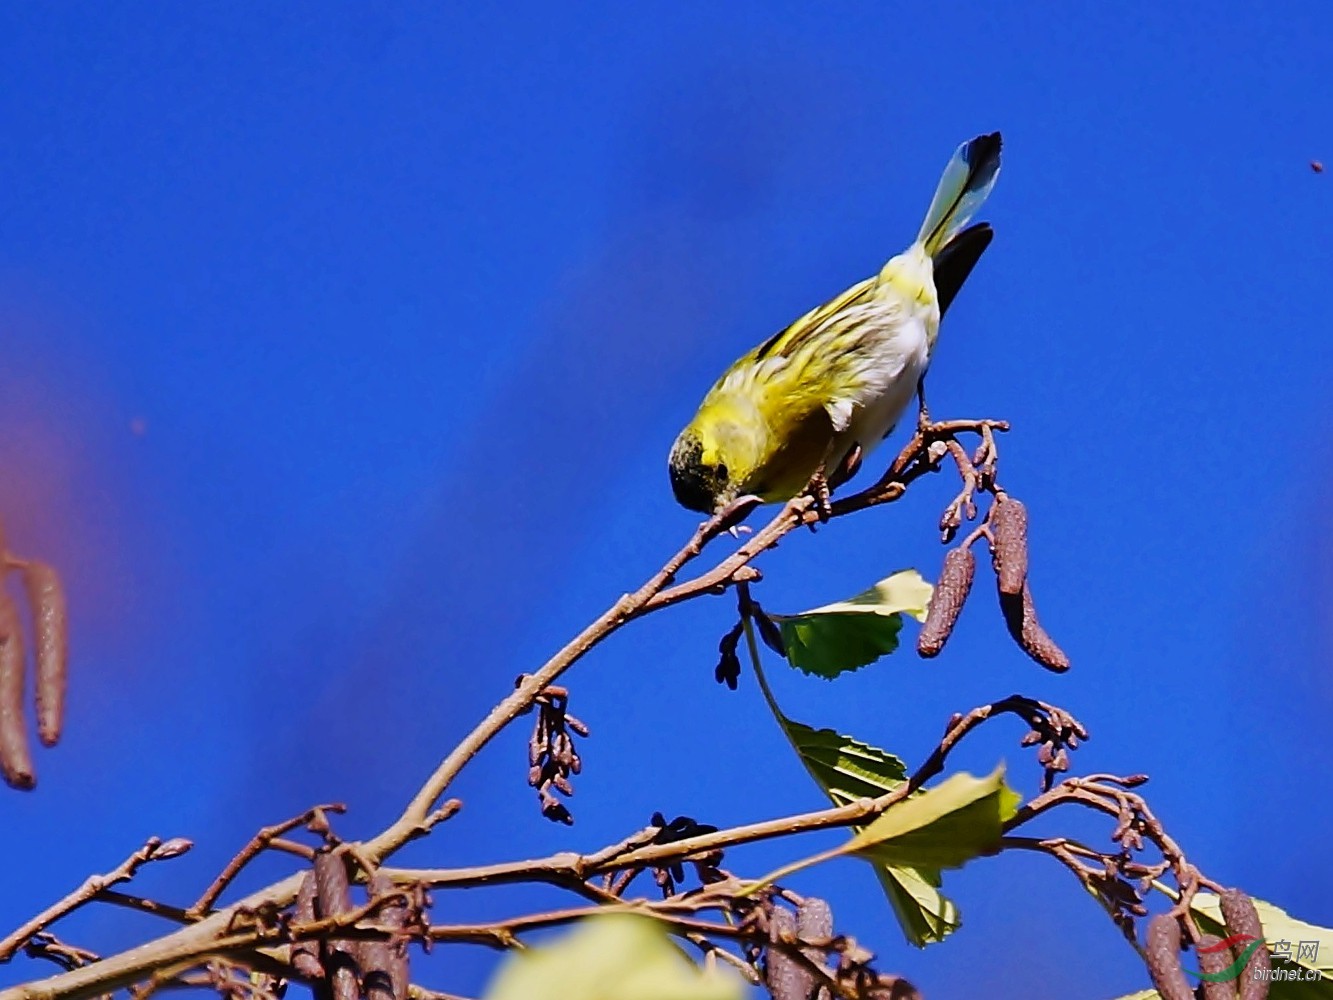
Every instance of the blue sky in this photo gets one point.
(410, 302)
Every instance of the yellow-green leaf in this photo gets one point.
(612, 957)
(926, 915)
(941, 827)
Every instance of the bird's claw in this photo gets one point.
(729, 518)
(819, 487)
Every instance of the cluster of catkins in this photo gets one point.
(1007, 531)
(49, 630)
(552, 758)
(1163, 948)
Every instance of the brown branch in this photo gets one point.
(210, 936)
(46, 945)
(676, 912)
(570, 870)
(627, 608)
(144, 905)
(152, 850)
(257, 844)
(1136, 822)
(917, 458)
(415, 992)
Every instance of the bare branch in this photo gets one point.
(152, 850)
(257, 844)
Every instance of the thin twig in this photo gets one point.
(257, 844)
(210, 935)
(144, 905)
(85, 893)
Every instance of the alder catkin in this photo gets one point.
(814, 919)
(384, 964)
(333, 897)
(305, 954)
(15, 754)
(50, 629)
(1020, 616)
(579, 727)
(1163, 956)
(1009, 554)
(1213, 960)
(1241, 917)
(333, 894)
(786, 977)
(960, 565)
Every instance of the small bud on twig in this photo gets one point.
(172, 848)
(814, 919)
(946, 603)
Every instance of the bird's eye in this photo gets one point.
(720, 471)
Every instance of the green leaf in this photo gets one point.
(612, 957)
(926, 915)
(941, 827)
(845, 768)
(848, 770)
(1280, 926)
(849, 634)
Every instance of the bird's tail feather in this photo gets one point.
(955, 260)
(966, 182)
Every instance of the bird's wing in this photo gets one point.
(786, 342)
(823, 360)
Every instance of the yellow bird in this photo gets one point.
(817, 396)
